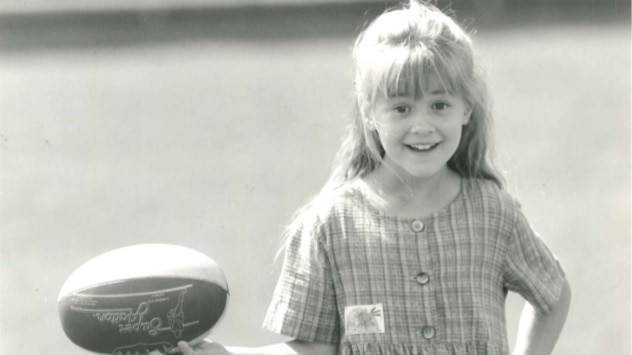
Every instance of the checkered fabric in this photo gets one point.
(433, 285)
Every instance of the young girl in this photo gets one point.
(412, 245)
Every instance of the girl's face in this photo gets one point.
(420, 135)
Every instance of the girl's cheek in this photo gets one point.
(385, 131)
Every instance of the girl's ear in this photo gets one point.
(367, 115)
(467, 114)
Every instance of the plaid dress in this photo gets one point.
(380, 284)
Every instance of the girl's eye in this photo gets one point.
(401, 109)
(440, 106)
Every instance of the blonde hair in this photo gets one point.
(398, 52)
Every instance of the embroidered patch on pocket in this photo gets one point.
(364, 319)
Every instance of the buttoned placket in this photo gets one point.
(423, 280)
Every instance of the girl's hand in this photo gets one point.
(204, 348)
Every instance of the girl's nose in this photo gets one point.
(422, 124)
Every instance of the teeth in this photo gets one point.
(422, 146)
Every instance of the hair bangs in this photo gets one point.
(414, 72)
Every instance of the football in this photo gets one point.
(141, 298)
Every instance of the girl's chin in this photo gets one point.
(419, 174)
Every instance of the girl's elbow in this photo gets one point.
(564, 300)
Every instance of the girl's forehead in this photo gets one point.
(416, 71)
(418, 86)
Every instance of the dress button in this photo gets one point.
(417, 226)
(422, 278)
(428, 332)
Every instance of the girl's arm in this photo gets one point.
(294, 347)
(538, 333)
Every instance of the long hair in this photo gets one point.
(400, 51)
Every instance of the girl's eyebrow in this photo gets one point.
(435, 92)
(440, 92)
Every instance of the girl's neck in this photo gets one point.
(410, 196)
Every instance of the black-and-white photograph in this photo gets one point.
(289, 177)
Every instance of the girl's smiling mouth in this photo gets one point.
(422, 147)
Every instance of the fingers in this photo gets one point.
(186, 348)
(182, 347)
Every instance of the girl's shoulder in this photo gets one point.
(486, 193)
(328, 204)
(336, 201)
(488, 204)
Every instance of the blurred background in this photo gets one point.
(208, 123)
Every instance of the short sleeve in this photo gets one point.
(304, 303)
(530, 268)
